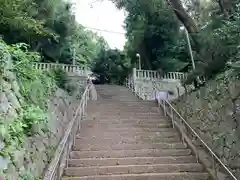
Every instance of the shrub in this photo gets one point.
(60, 77)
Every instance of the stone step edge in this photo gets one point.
(134, 158)
(122, 137)
(107, 151)
(190, 174)
(127, 146)
(132, 165)
(139, 144)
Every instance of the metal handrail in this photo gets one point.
(54, 170)
(198, 136)
(129, 83)
(214, 156)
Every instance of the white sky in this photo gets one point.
(102, 15)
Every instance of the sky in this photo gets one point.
(104, 16)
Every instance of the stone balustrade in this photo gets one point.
(150, 74)
(72, 69)
(146, 83)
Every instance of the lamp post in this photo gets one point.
(74, 56)
(190, 51)
(189, 46)
(139, 61)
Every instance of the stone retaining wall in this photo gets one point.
(36, 151)
(214, 111)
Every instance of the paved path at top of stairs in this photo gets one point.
(124, 138)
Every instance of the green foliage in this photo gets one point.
(48, 27)
(153, 32)
(235, 68)
(34, 85)
(60, 77)
(219, 37)
(15, 17)
(36, 88)
(87, 45)
(113, 65)
(32, 115)
(3, 58)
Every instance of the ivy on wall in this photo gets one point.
(35, 89)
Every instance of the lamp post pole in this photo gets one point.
(74, 56)
(190, 51)
(139, 61)
(190, 48)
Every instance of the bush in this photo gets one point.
(60, 77)
(35, 89)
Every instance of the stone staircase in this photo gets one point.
(124, 138)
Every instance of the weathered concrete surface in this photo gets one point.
(127, 138)
(36, 151)
(214, 112)
(173, 85)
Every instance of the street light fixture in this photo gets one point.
(139, 61)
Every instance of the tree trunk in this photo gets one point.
(37, 48)
(188, 23)
(144, 56)
(226, 7)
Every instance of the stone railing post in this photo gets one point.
(134, 79)
(85, 71)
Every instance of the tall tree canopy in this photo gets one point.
(153, 30)
(113, 65)
(49, 27)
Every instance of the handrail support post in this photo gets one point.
(172, 117)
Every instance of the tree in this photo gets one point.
(48, 27)
(212, 29)
(17, 23)
(113, 65)
(153, 31)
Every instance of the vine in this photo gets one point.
(35, 89)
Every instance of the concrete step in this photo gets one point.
(150, 125)
(125, 106)
(127, 129)
(112, 105)
(119, 120)
(130, 161)
(131, 101)
(173, 137)
(99, 112)
(129, 140)
(122, 118)
(121, 146)
(132, 169)
(124, 138)
(125, 115)
(137, 111)
(148, 176)
(127, 120)
(160, 124)
(127, 134)
(130, 153)
(115, 108)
